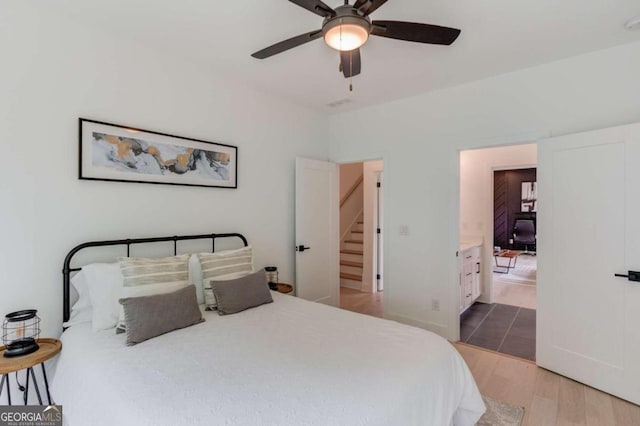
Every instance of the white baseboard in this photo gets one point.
(434, 327)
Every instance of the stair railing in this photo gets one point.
(351, 190)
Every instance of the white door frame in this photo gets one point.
(378, 220)
(369, 281)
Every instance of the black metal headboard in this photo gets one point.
(67, 269)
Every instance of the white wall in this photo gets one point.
(352, 207)
(53, 71)
(420, 138)
(476, 184)
(476, 196)
(349, 173)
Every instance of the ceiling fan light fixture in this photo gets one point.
(346, 33)
(346, 28)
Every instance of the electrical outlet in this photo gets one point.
(404, 230)
(435, 304)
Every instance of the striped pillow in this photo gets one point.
(223, 266)
(147, 277)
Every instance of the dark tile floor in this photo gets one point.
(502, 328)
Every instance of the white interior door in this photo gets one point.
(589, 230)
(317, 231)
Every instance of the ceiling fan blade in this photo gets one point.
(287, 44)
(420, 33)
(316, 6)
(350, 63)
(368, 6)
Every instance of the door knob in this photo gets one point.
(302, 248)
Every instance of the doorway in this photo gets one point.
(361, 237)
(498, 263)
(514, 236)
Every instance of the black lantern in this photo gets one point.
(272, 277)
(20, 330)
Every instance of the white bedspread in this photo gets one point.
(291, 362)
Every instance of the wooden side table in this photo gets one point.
(509, 255)
(285, 288)
(48, 349)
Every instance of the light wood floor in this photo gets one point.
(548, 398)
(523, 295)
(364, 303)
(507, 289)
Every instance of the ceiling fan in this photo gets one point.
(346, 28)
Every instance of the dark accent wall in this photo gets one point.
(507, 195)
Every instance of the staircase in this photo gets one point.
(351, 256)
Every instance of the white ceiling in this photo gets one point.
(498, 36)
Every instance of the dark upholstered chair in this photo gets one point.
(524, 232)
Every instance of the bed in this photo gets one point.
(290, 362)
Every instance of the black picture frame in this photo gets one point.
(118, 153)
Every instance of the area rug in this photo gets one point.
(525, 271)
(500, 414)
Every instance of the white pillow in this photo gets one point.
(81, 311)
(104, 282)
(195, 277)
(222, 266)
(148, 277)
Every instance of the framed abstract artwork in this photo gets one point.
(529, 199)
(118, 153)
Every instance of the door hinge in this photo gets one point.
(378, 276)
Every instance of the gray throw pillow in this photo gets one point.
(242, 293)
(151, 316)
